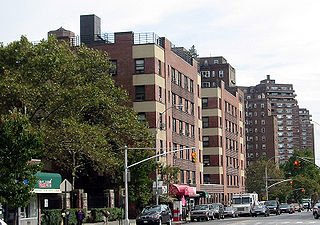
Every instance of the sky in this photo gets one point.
(275, 37)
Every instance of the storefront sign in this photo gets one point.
(48, 183)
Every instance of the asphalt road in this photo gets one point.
(285, 218)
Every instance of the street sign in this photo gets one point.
(66, 186)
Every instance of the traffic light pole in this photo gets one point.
(126, 167)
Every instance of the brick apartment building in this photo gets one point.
(284, 107)
(261, 127)
(224, 151)
(306, 130)
(159, 78)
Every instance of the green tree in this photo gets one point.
(72, 99)
(19, 143)
(255, 176)
(193, 52)
(305, 176)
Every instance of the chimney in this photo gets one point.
(268, 77)
(90, 29)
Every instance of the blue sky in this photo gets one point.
(276, 37)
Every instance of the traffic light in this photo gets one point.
(303, 190)
(159, 169)
(291, 182)
(297, 164)
(194, 157)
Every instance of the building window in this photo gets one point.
(139, 65)
(204, 102)
(192, 108)
(174, 124)
(186, 83)
(142, 117)
(263, 122)
(205, 122)
(180, 102)
(216, 61)
(192, 131)
(205, 140)
(191, 86)
(180, 127)
(206, 178)
(113, 69)
(174, 101)
(205, 74)
(205, 84)
(159, 67)
(173, 75)
(221, 73)
(187, 132)
(213, 73)
(206, 160)
(182, 177)
(186, 106)
(140, 93)
(179, 78)
(160, 94)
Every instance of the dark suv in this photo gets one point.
(273, 206)
(218, 210)
(157, 214)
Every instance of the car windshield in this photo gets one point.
(269, 203)
(258, 207)
(201, 207)
(152, 209)
(229, 208)
(284, 206)
(243, 200)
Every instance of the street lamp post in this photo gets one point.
(126, 167)
(156, 133)
(266, 174)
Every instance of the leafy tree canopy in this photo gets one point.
(72, 99)
(19, 143)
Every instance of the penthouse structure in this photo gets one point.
(284, 107)
(224, 151)
(163, 83)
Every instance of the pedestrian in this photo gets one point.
(80, 216)
(105, 214)
(64, 216)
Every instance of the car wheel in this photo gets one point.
(316, 216)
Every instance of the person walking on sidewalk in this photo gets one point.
(105, 214)
(80, 216)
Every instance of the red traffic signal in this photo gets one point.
(291, 182)
(194, 157)
(303, 190)
(297, 164)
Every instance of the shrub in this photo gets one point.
(115, 213)
(53, 216)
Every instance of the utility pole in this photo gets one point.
(126, 209)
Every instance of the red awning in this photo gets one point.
(181, 189)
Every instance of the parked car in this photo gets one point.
(260, 210)
(231, 211)
(297, 207)
(273, 206)
(218, 210)
(2, 222)
(202, 212)
(286, 208)
(158, 214)
(316, 211)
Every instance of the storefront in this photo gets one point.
(186, 197)
(47, 196)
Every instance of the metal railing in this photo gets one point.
(147, 38)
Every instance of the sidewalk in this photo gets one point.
(132, 222)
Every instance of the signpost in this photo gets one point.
(65, 187)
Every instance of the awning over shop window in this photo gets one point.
(181, 189)
(203, 194)
(48, 183)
